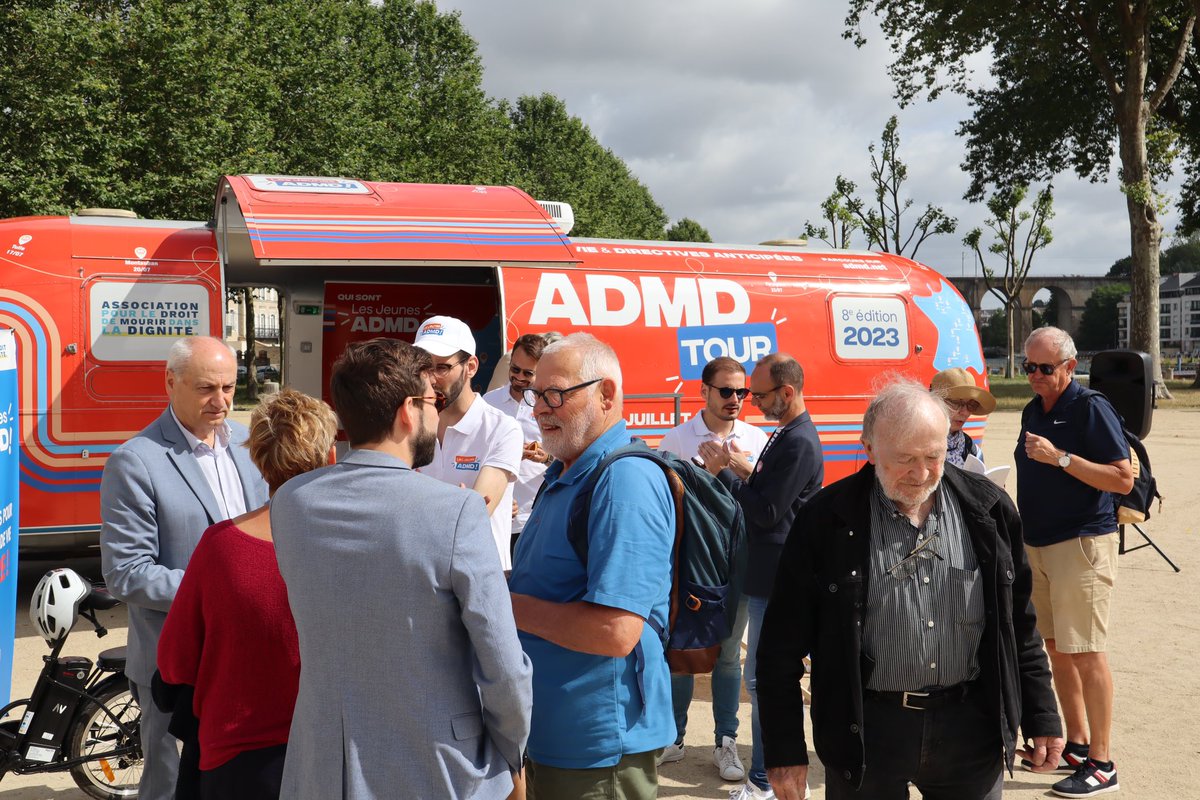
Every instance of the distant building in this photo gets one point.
(267, 325)
(1178, 314)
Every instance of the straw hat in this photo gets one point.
(958, 384)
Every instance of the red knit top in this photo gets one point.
(230, 634)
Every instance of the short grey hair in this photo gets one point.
(180, 354)
(1059, 339)
(897, 403)
(596, 358)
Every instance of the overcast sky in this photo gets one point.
(740, 115)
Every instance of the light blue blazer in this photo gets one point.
(154, 506)
(412, 680)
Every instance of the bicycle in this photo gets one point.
(81, 717)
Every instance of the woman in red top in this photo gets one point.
(230, 632)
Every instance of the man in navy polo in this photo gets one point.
(1072, 458)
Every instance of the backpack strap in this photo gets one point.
(577, 527)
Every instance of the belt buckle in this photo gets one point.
(904, 700)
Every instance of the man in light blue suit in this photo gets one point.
(412, 680)
(160, 491)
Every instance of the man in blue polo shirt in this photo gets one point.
(1071, 459)
(601, 685)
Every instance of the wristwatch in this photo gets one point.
(1064, 460)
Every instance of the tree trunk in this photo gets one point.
(1145, 231)
(251, 344)
(1011, 309)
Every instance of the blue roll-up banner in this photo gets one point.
(9, 476)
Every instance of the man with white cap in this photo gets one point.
(963, 399)
(478, 446)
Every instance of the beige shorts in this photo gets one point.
(1072, 586)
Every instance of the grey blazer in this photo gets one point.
(412, 680)
(154, 506)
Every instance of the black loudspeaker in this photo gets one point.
(1124, 377)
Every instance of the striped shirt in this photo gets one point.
(924, 614)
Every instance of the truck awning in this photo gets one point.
(268, 219)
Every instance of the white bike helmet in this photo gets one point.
(55, 604)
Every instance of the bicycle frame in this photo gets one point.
(52, 698)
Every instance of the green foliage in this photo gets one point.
(882, 222)
(1098, 325)
(144, 104)
(688, 230)
(1182, 256)
(994, 332)
(557, 158)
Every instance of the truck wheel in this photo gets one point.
(94, 735)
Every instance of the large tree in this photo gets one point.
(883, 220)
(1012, 252)
(1098, 327)
(1073, 84)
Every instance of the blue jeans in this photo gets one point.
(757, 607)
(726, 685)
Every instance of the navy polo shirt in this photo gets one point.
(1054, 506)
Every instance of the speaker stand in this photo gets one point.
(1148, 543)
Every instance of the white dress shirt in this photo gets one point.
(530, 475)
(684, 440)
(219, 469)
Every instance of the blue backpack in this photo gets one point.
(708, 558)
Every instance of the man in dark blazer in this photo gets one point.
(911, 592)
(788, 472)
(160, 491)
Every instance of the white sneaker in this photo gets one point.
(726, 758)
(748, 791)
(672, 753)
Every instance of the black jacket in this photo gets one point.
(817, 607)
(787, 474)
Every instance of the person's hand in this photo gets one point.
(789, 782)
(518, 791)
(1044, 752)
(533, 452)
(516, 509)
(739, 460)
(1039, 448)
(716, 457)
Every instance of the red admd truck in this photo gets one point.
(95, 302)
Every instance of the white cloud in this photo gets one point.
(740, 115)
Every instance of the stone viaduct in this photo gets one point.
(1071, 293)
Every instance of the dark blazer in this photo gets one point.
(817, 608)
(789, 471)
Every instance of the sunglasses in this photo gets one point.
(1045, 369)
(727, 392)
(528, 373)
(965, 405)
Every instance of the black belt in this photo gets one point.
(923, 701)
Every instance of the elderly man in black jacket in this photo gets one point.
(911, 591)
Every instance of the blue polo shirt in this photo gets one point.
(1054, 506)
(588, 710)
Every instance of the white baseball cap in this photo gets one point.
(445, 336)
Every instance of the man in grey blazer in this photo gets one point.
(160, 491)
(412, 680)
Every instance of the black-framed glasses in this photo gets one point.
(727, 392)
(1031, 367)
(905, 567)
(442, 370)
(758, 397)
(553, 398)
(965, 405)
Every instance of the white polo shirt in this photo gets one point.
(684, 440)
(484, 437)
(529, 478)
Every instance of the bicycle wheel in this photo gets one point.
(95, 735)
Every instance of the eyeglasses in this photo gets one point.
(553, 398)
(1046, 369)
(905, 567)
(965, 405)
(423, 398)
(727, 392)
(442, 370)
(758, 397)
(514, 370)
